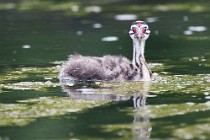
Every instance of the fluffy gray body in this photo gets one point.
(106, 68)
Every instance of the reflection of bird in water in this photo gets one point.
(139, 101)
(92, 94)
(112, 68)
(141, 127)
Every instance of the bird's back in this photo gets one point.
(107, 68)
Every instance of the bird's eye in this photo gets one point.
(144, 30)
(134, 30)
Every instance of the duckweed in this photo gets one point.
(28, 110)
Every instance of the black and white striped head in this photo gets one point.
(139, 30)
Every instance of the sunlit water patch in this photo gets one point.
(197, 28)
(126, 17)
(26, 46)
(79, 33)
(192, 29)
(109, 38)
(97, 25)
(151, 19)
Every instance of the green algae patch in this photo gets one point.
(23, 73)
(29, 85)
(193, 84)
(161, 111)
(70, 8)
(145, 119)
(161, 84)
(29, 78)
(196, 131)
(27, 111)
(24, 108)
(41, 79)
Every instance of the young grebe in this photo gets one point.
(112, 68)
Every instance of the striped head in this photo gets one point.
(139, 30)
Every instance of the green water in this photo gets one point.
(37, 36)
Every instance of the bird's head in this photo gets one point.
(139, 30)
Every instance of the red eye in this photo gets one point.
(134, 30)
(143, 30)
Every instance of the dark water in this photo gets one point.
(35, 36)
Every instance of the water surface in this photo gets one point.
(37, 36)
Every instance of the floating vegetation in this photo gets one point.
(188, 37)
(46, 77)
(79, 8)
(196, 131)
(7, 6)
(47, 5)
(142, 127)
(27, 111)
(193, 7)
(181, 83)
(29, 85)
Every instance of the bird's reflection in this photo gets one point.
(141, 128)
(91, 94)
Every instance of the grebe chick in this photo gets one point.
(112, 68)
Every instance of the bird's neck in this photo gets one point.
(138, 52)
(139, 61)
